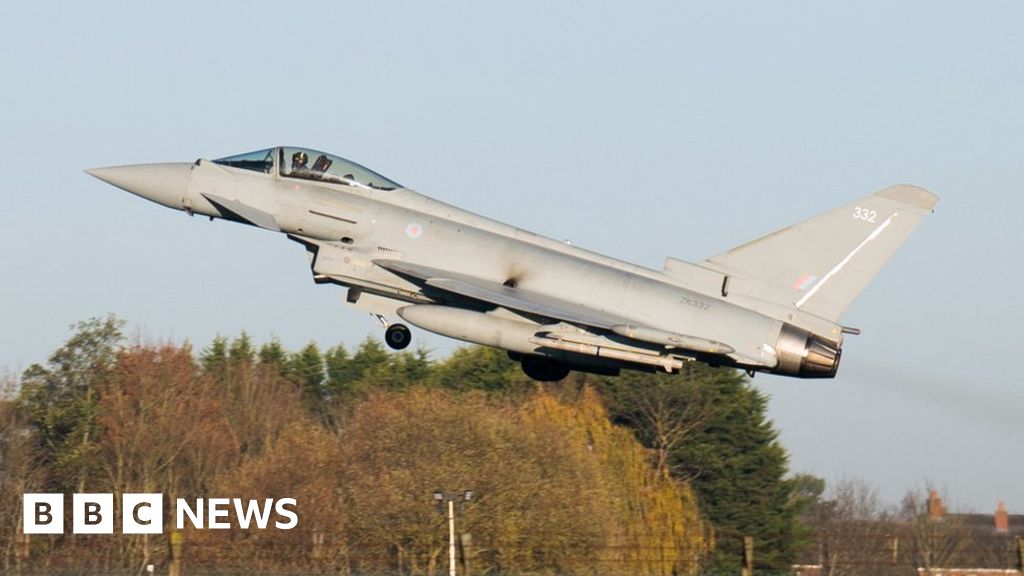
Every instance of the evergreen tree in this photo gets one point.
(409, 368)
(352, 376)
(479, 368)
(370, 355)
(730, 455)
(306, 368)
(340, 372)
(273, 355)
(214, 358)
(241, 351)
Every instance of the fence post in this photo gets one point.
(748, 556)
(1020, 553)
(177, 541)
(21, 551)
(465, 544)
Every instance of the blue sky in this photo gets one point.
(638, 130)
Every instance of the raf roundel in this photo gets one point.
(414, 231)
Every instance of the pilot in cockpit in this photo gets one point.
(299, 161)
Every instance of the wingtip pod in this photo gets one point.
(910, 195)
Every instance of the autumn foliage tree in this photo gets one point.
(302, 462)
(559, 489)
(636, 475)
(21, 471)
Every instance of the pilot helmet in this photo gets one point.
(299, 159)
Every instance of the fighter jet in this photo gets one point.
(771, 305)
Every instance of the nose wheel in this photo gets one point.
(397, 336)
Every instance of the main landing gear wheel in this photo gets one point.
(397, 336)
(544, 369)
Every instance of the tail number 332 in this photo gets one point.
(864, 214)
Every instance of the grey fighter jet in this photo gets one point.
(773, 304)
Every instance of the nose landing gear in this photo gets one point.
(397, 336)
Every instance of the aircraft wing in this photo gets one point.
(548, 307)
(504, 296)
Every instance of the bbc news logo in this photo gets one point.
(144, 513)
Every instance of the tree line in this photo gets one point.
(852, 533)
(637, 474)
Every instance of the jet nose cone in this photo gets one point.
(164, 184)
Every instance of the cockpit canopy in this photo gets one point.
(309, 164)
(258, 161)
(316, 165)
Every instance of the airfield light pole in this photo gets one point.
(451, 538)
(440, 499)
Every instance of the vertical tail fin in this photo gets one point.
(822, 264)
